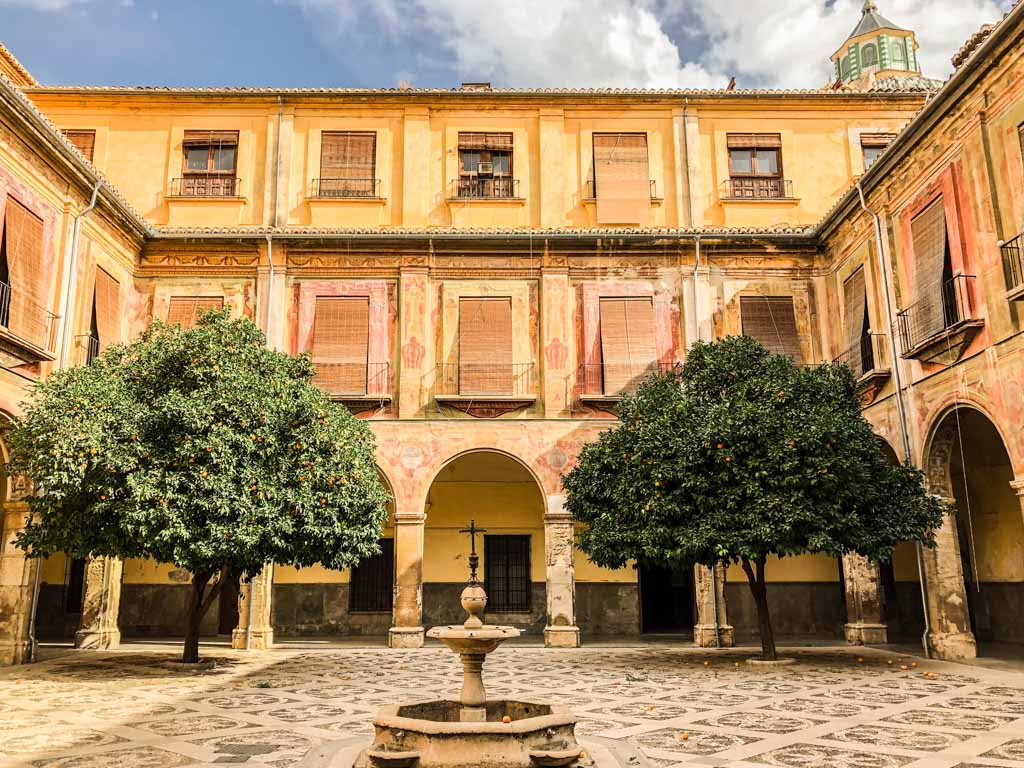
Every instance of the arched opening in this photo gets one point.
(900, 587)
(504, 498)
(869, 55)
(321, 602)
(990, 527)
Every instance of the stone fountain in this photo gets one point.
(472, 732)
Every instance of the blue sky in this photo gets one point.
(658, 43)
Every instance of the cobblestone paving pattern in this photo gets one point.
(649, 706)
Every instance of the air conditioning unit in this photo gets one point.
(485, 169)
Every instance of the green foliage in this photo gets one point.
(740, 455)
(200, 448)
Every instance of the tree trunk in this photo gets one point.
(198, 606)
(759, 590)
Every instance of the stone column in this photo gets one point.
(710, 587)
(255, 597)
(407, 617)
(101, 605)
(863, 602)
(949, 634)
(561, 630)
(17, 581)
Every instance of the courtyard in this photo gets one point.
(655, 705)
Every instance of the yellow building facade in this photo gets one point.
(482, 272)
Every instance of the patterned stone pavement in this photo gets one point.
(649, 706)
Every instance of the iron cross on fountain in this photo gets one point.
(474, 558)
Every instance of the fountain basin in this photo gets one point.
(431, 735)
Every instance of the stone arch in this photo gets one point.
(942, 441)
(533, 471)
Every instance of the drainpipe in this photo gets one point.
(62, 363)
(900, 407)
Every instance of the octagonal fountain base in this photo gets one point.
(432, 735)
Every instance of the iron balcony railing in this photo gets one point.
(485, 380)
(354, 379)
(1013, 263)
(757, 188)
(615, 379)
(346, 187)
(496, 188)
(590, 189)
(90, 347)
(26, 318)
(206, 185)
(867, 355)
(941, 306)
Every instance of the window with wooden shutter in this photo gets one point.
(856, 326)
(622, 182)
(341, 337)
(185, 310)
(485, 165)
(627, 342)
(371, 588)
(107, 304)
(931, 248)
(507, 573)
(772, 321)
(755, 165)
(22, 304)
(485, 346)
(874, 144)
(209, 164)
(348, 162)
(84, 141)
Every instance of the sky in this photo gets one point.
(441, 43)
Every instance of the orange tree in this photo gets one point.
(740, 455)
(200, 448)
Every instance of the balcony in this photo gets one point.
(485, 389)
(603, 385)
(346, 188)
(590, 190)
(27, 329)
(1012, 252)
(89, 348)
(206, 185)
(358, 386)
(757, 188)
(869, 361)
(938, 327)
(485, 188)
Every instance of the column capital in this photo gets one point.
(1018, 487)
(410, 518)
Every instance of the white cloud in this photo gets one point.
(655, 43)
(42, 5)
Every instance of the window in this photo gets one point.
(371, 589)
(84, 141)
(868, 55)
(627, 342)
(485, 165)
(209, 163)
(106, 307)
(622, 181)
(772, 321)
(755, 165)
(185, 310)
(856, 327)
(507, 573)
(341, 338)
(485, 346)
(899, 55)
(21, 269)
(348, 164)
(873, 144)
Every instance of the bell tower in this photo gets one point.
(876, 48)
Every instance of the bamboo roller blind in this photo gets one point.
(185, 310)
(854, 306)
(210, 137)
(23, 235)
(772, 321)
(492, 141)
(627, 342)
(753, 140)
(107, 297)
(928, 231)
(485, 346)
(84, 141)
(341, 338)
(348, 154)
(621, 178)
